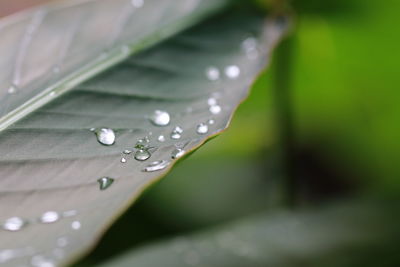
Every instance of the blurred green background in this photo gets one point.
(343, 115)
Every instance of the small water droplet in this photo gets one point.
(212, 73)
(215, 109)
(12, 89)
(156, 166)
(232, 71)
(202, 128)
(160, 118)
(105, 182)
(142, 143)
(127, 151)
(137, 3)
(14, 224)
(123, 160)
(76, 225)
(49, 217)
(105, 136)
(142, 154)
(161, 138)
(92, 129)
(249, 45)
(211, 121)
(177, 153)
(176, 133)
(212, 101)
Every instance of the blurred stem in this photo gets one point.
(284, 116)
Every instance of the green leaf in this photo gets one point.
(48, 50)
(354, 233)
(51, 160)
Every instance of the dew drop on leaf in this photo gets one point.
(127, 151)
(215, 109)
(76, 225)
(160, 118)
(177, 153)
(49, 217)
(202, 128)
(14, 224)
(232, 71)
(212, 73)
(156, 166)
(212, 101)
(161, 138)
(176, 133)
(105, 182)
(123, 160)
(105, 136)
(12, 89)
(211, 121)
(142, 155)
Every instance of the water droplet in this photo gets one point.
(202, 128)
(127, 151)
(177, 153)
(249, 44)
(92, 129)
(105, 136)
(105, 182)
(212, 101)
(76, 225)
(211, 121)
(49, 217)
(160, 118)
(232, 71)
(156, 166)
(176, 133)
(212, 73)
(137, 3)
(14, 224)
(123, 160)
(161, 138)
(12, 89)
(142, 143)
(215, 109)
(142, 154)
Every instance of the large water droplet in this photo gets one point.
(212, 73)
(160, 118)
(105, 136)
(14, 224)
(232, 71)
(156, 166)
(176, 133)
(202, 128)
(142, 154)
(161, 138)
(105, 182)
(215, 109)
(49, 217)
(177, 153)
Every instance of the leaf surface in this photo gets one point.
(51, 160)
